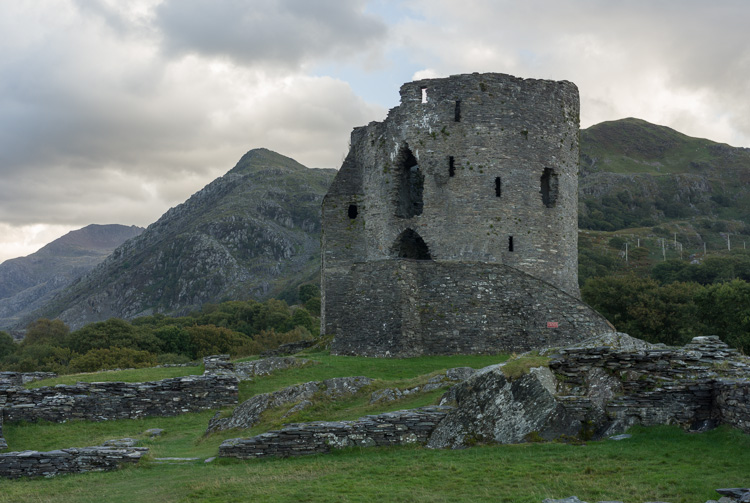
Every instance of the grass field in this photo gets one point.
(657, 464)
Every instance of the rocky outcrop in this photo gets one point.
(492, 408)
(600, 388)
(248, 413)
(392, 428)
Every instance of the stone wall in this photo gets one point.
(698, 386)
(21, 378)
(72, 460)
(3, 443)
(733, 402)
(392, 428)
(407, 308)
(119, 400)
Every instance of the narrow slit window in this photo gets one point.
(457, 112)
(451, 166)
(510, 243)
(424, 95)
(353, 211)
(498, 187)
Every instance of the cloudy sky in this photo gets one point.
(112, 111)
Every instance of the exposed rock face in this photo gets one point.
(600, 388)
(491, 408)
(29, 282)
(248, 413)
(248, 234)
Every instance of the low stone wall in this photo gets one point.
(733, 402)
(392, 428)
(21, 378)
(119, 400)
(73, 460)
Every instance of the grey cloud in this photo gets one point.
(277, 32)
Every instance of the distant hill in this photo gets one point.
(26, 283)
(637, 174)
(252, 233)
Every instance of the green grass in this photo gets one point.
(657, 464)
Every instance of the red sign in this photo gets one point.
(552, 324)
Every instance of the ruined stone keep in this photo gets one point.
(451, 226)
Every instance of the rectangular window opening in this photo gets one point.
(457, 113)
(510, 243)
(424, 95)
(498, 188)
(451, 166)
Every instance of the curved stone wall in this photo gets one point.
(408, 308)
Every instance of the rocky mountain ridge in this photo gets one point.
(251, 233)
(26, 283)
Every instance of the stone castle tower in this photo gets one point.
(451, 226)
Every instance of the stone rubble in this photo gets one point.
(244, 371)
(248, 413)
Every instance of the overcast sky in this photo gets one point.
(112, 111)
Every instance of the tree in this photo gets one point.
(725, 310)
(44, 331)
(7, 344)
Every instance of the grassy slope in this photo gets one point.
(656, 464)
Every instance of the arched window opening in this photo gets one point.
(411, 245)
(498, 187)
(549, 185)
(353, 211)
(510, 243)
(410, 186)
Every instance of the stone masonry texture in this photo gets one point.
(119, 400)
(73, 460)
(452, 216)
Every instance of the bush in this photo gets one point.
(123, 358)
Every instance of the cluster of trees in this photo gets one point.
(679, 301)
(239, 328)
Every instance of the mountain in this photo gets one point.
(252, 233)
(637, 174)
(26, 283)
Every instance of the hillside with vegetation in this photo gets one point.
(253, 233)
(27, 283)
